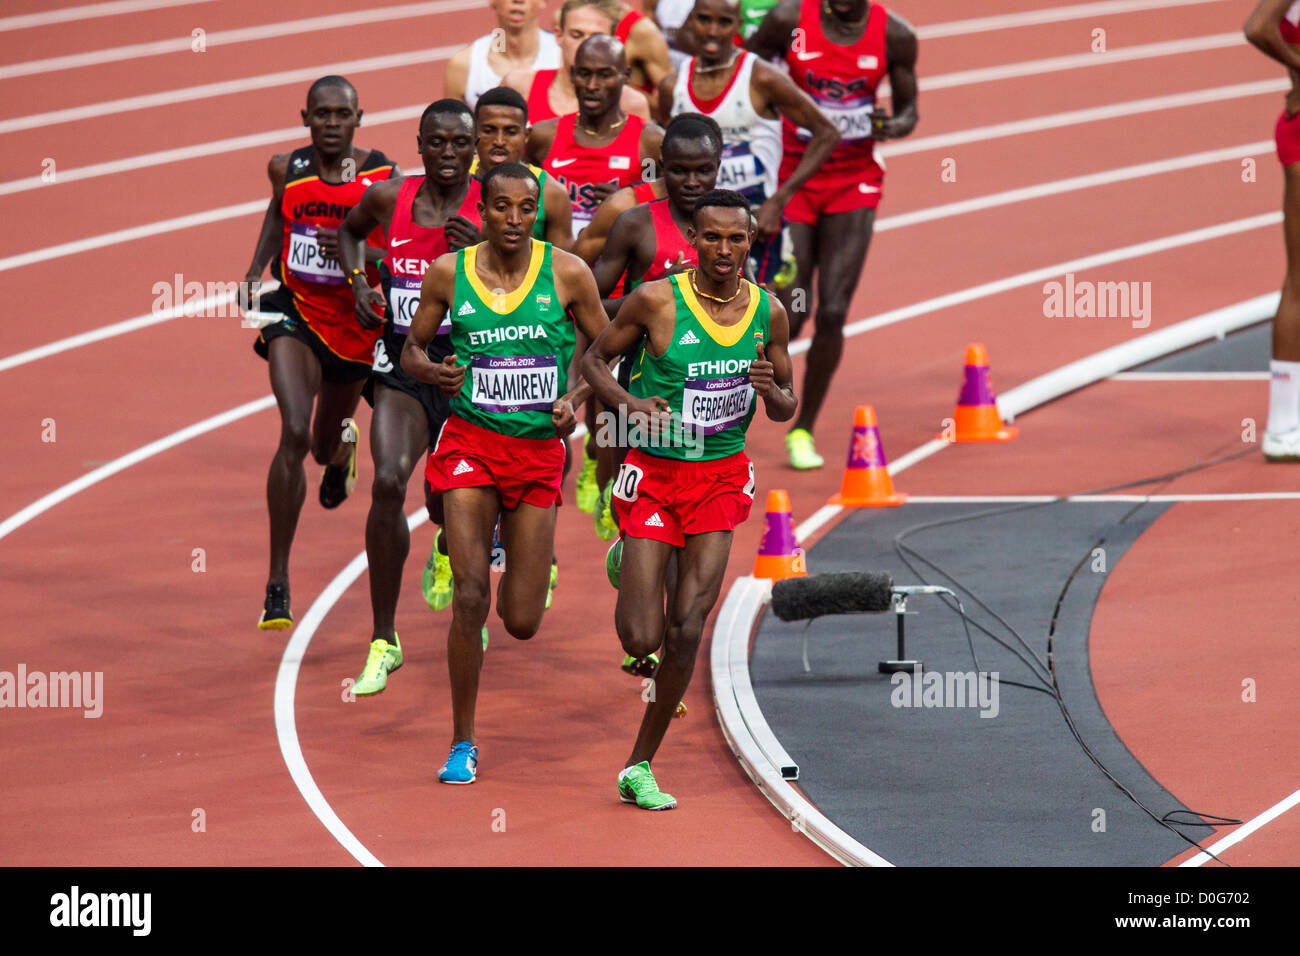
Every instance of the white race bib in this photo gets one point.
(404, 299)
(852, 120)
(516, 383)
(710, 405)
(306, 260)
(740, 169)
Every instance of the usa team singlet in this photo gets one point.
(577, 168)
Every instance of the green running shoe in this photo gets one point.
(606, 520)
(384, 658)
(637, 785)
(614, 563)
(485, 637)
(799, 446)
(641, 666)
(586, 491)
(436, 582)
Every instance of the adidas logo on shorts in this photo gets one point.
(463, 467)
(688, 339)
(466, 309)
(654, 521)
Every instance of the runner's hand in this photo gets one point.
(462, 233)
(370, 306)
(250, 294)
(761, 374)
(450, 376)
(769, 220)
(563, 418)
(603, 191)
(882, 125)
(649, 416)
(328, 240)
(679, 265)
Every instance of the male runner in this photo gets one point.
(601, 147)
(647, 50)
(1274, 29)
(501, 121)
(516, 44)
(552, 92)
(501, 450)
(748, 98)
(713, 340)
(317, 352)
(845, 49)
(423, 217)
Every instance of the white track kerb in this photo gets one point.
(743, 724)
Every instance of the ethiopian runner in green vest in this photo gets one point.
(714, 344)
(514, 303)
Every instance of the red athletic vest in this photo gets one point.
(412, 249)
(577, 168)
(320, 290)
(669, 243)
(841, 80)
(539, 98)
(1289, 26)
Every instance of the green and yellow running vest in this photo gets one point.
(704, 375)
(518, 346)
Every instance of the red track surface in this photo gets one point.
(188, 717)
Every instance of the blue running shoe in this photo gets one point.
(461, 765)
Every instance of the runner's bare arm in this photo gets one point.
(540, 139)
(900, 54)
(592, 239)
(435, 298)
(778, 90)
(581, 297)
(519, 81)
(620, 256)
(559, 215)
(652, 141)
(644, 307)
(374, 210)
(770, 373)
(633, 102)
(456, 75)
(1262, 32)
(772, 39)
(648, 47)
(664, 99)
(272, 234)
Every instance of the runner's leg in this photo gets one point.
(295, 377)
(702, 564)
(399, 436)
(471, 515)
(639, 613)
(842, 242)
(528, 536)
(337, 402)
(798, 309)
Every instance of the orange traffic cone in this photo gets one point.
(867, 483)
(976, 417)
(779, 555)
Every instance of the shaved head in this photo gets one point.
(602, 50)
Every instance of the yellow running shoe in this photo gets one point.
(606, 520)
(436, 581)
(555, 580)
(383, 659)
(586, 491)
(799, 446)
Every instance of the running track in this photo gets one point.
(103, 580)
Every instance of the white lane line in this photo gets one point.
(135, 232)
(979, 134)
(1245, 830)
(88, 11)
(269, 80)
(286, 684)
(45, 503)
(225, 88)
(1189, 377)
(1076, 183)
(1029, 18)
(221, 38)
(1104, 499)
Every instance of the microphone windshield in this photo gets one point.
(841, 592)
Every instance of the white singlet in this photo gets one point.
(482, 77)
